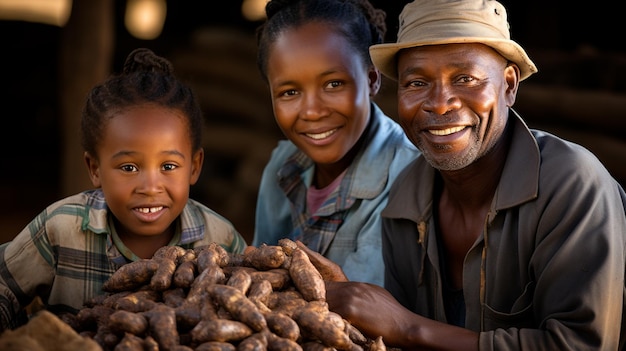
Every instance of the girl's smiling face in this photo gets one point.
(145, 167)
(320, 90)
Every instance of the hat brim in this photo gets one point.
(384, 56)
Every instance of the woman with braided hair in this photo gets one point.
(326, 184)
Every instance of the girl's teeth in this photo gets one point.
(150, 210)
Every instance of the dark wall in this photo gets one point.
(578, 91)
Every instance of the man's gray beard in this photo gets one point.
(453, 163)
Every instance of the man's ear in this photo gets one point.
(512, 78)
(375, 80)
(196, 166)
(93, 167)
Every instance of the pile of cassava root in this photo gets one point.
(270, 298)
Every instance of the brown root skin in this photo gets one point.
(185, 274)
(278, 278)
(131, 276)
(96, 316)
(355, 335)
(276, 343)
(138, 301)
(254, 342)
(109, 300)
(174, 297)
(238, 305)
(150, 344)
(210, 276)
(264, 257)
(288, 245)
(212, 255)
(306, 277)
(316, 346)
(286, 302)
(162, 278)
(128, 322)
(224, 330)
(325, 326)
(260, 291)
(328, 269)
(188, 316)
(162, 322)
(216, 346)
(241, 280)
(168, 257)
(377, 345)
(243, 307)
(282, 325)
(45, 331)
(130, 342)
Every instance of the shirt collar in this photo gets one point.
(519, 182)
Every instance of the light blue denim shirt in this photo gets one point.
(348, 224)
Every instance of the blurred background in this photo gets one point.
(53, 51)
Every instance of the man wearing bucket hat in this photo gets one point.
(498, 237)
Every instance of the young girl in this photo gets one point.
(141, 132)
(327, 183)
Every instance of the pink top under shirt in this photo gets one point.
(315, 197)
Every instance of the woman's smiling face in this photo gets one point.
(320, 90)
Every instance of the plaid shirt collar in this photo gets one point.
(95, 219)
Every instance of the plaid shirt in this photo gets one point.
(315, 230)
(67, 252)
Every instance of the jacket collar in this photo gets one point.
(519, 182)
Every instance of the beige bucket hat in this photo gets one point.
(432, 22)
